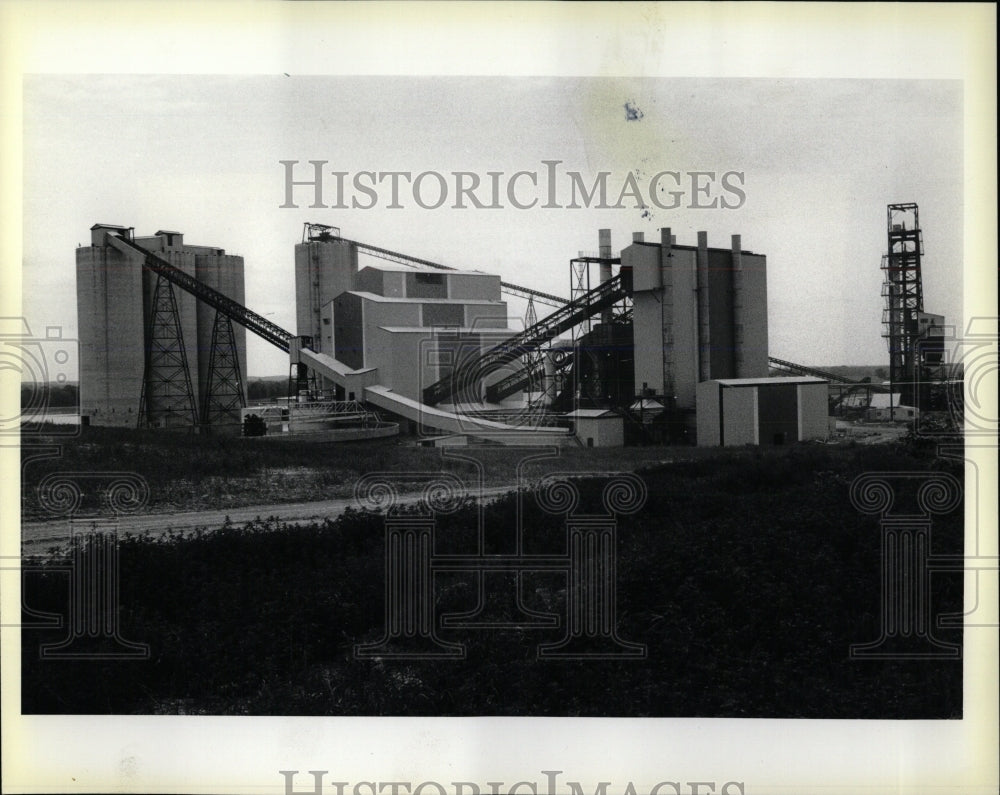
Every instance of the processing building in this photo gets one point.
(412, 323)
(152, 355)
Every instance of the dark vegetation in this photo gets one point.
(188, 472)
(747, 576)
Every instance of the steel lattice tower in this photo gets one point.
(903, 294)
(224, 396)
(167, 397)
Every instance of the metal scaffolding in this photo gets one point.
(167, 397)
(902, 292)
(224, 395)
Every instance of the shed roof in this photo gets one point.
(647, 404)
(592, 414)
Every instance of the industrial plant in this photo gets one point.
(664, 342)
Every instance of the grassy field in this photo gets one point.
(188, 472)
(747, 576)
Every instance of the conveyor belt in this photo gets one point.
(533, 337)
(406, 259)
(801, 369)
(260, 326)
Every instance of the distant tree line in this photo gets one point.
(53, 395)
(266, 388)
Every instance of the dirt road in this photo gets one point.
(38, 537)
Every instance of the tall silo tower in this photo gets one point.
(112, 329)
(222, 344)
(325, 266)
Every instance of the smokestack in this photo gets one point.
(665, 252)
(638, 237)
(739, 361)
(604, 252)
(665, 280)
(704, 341)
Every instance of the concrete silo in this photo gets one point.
(325, 266)
(222, 344)
(110, 316)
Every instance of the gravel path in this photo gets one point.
(40, 536)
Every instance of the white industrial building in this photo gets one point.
(762, 411)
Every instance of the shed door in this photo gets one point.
(778, 413)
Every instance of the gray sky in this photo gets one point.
(821, 160)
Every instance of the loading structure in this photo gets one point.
(436, 339)
(436, 335)
(465, 377)
(915, 338)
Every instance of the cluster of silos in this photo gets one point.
(125, 311)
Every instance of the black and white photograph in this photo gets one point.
(593, 421)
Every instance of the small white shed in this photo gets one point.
(598, 427)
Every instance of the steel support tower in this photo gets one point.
(224, 396)
(167, 398)
(902, 292)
